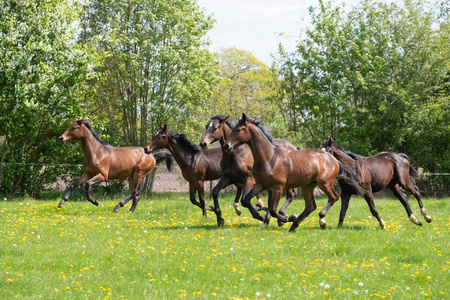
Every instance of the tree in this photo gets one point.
(42, 71)
(245, 85)
(156, 68)
(371, 77)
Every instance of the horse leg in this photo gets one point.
(310, 206)
(415, 191)
(345, 199)
(192, 192)
(223, 183)
(248, 185)
(237, 198)
(122, 203)
(96, 179)
(289, 197)
(256, 189)
(276, 194)
(83, 178)
(369, 199)
(395, 188)
(201, 196)
(327, 188)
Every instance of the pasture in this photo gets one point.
(166, 249)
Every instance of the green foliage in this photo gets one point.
(246, 85)
(156, 68)
(42, 72)
(167, 250)
(373, 77)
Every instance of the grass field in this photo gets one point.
(167, 250)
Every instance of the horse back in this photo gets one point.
(125, 161)
(310, 165)
(205, 165)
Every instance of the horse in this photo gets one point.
(276, 169)
(103, 162)
(197, 165)
(237, 165)
(375, 173)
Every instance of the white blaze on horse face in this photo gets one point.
(323, 149)
(210, 125)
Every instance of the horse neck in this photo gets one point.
(345, 159)
(89, 143)
(178, 152)
(262, 149)
(226, 130)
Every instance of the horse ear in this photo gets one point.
(244, 118)
(160, 126)
(226, 118)
(331, 139)
(165, 127)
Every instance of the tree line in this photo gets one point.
(374, 76)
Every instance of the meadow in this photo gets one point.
(167, 250)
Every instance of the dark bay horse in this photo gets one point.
(237, 164)
(375, 173)
(103, 162)
(197, 165)
(277, 169)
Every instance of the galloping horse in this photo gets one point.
(276, 169)
(103, 162)
(375, 173)
(237, 164)
(196, 165)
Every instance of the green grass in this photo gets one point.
(167, 250)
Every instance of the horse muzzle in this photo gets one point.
(147, 150)
(227, 148)
(61, 139)
(203, 145)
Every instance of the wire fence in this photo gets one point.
(435, 185)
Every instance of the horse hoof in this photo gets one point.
(264, 224)
(323, 223)
(238, 212)
(221, 222)
(281, 223)
(292, 218)
(117, 208)
(264, 208)
(96, 203)
(428, 219)
(61, 204)
(415, 220)
(292, 229)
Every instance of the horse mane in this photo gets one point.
(94, 133)
(184, 141)
(223, 117)
(263, 129)
(351, 154)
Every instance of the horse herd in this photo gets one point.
(253, 161)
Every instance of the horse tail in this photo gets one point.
(348, 179)
(164, 156)
(412, 172)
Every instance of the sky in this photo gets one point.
(256, 25)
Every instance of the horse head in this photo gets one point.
(327, 145)
(213, 131)
(74, 132)
(159, 140)
(240, 134)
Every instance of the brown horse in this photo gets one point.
(375, 173)
(276, 169)
(103, 162)
(237, 164)
(196, 165)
